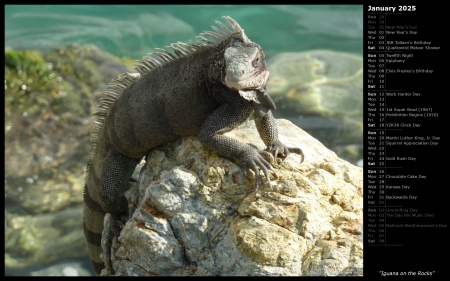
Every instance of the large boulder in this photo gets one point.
(194, 213)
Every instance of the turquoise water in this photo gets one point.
(133, 30)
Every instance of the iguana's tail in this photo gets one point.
(93, 228)
(93, 212)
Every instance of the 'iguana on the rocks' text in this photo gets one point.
(204, 88)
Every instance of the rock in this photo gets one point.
(319, 82)
(64, 268)
(48, 96)
(194, 213)
(43, 239)
(321, 91)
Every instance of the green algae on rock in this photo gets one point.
(48, 99)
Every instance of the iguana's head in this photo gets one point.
(246, 71)
(245, 68)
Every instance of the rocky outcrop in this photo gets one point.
(194, 213)
(48, 97)
(321, 91)
(318, 82)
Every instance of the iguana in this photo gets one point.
(204, 88)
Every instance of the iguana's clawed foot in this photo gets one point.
(260, 160)
(278, 149)
(267, 156)
(298, 151)
(255, 160)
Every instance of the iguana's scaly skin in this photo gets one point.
(204, 88)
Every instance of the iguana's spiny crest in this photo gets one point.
(244, 68)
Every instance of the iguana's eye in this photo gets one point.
(256, 62)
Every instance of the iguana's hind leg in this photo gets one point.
(117, 172)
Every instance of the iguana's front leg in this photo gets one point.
(267, 129)
(224, 119)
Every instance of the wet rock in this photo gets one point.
(48, 98)
(321, 91)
